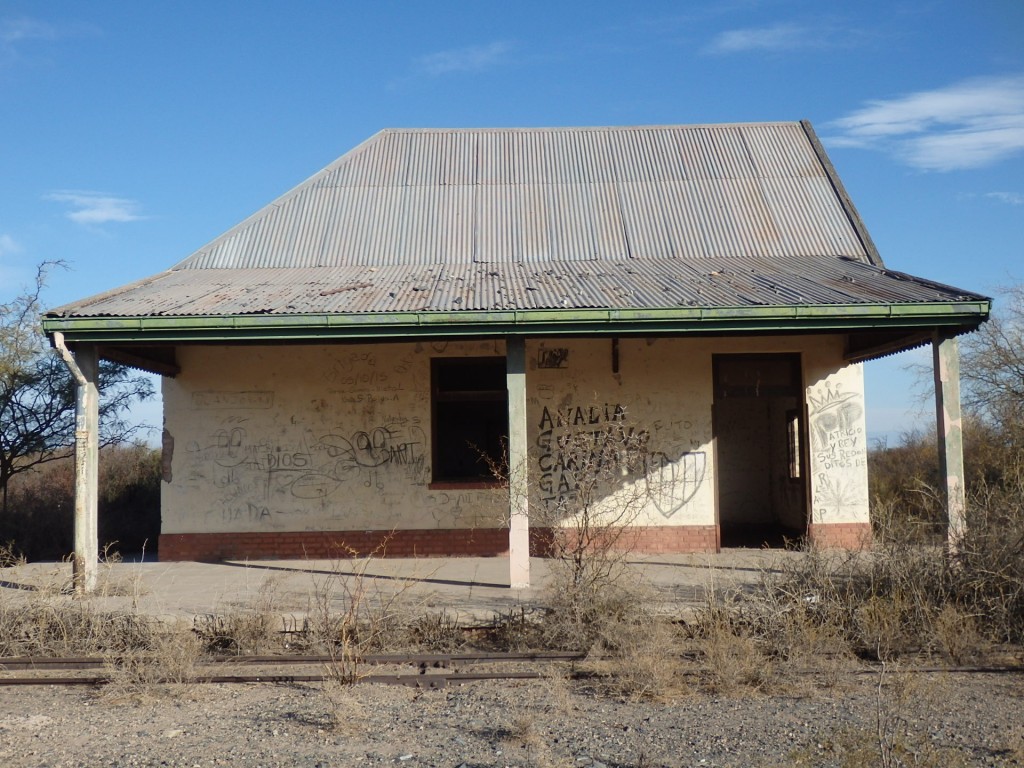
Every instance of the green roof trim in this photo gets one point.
(399, 325)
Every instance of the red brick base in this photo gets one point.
(480, 542)
(332, 544)
(840, 535)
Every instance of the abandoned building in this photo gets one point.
(351, 364)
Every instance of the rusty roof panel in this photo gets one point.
(623, 284)
(806, 226)
(411, 197)
(432, 220)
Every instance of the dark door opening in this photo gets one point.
(758, 430)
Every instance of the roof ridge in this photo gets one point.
(571, 128)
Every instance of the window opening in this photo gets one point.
(470, 418)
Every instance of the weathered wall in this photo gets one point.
(838, 441)
(310, 438)
(659, 397)
(337, 437)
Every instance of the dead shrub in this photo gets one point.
(345, 712)
(881, 628)
(514, 630)
(578, 614)
(351, 615)
(957, 637)
(596, 487)
(643, 660)
(732, 660)
(891, 741)
(59, 626)
(437, 632)
(10, 555)
(165, 666)
(253, 630)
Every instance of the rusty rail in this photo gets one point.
(434, 670)
(423, 678)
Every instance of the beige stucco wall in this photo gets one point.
(838, 440)
(337, 437)
(662, 391)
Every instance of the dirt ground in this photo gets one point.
(934, 720)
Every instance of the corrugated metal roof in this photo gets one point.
(625, 284)
(448, 220)
(563, 194)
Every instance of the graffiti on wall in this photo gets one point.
(209, 401)
(839, 450)
(258, 478)
(552, 357)
(672, 480)
(580, 446)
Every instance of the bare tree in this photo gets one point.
(37, 392)
(992, 369)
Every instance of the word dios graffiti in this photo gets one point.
(315, 467)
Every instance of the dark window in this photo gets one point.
(470, 418)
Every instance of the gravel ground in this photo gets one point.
(946, 719)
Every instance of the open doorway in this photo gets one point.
(758, 429)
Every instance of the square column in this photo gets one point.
(518, 488)
(948, 427)
(87, 428)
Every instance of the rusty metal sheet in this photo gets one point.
(626, 284)
(477, 219)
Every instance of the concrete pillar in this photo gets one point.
(946, 366)
(87, 426)
(518, 487)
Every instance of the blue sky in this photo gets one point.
(131, 133)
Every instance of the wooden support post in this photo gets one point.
(87, 427)
(518, 488)
(948, 426)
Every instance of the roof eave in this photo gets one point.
(958, 316)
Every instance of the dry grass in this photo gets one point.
(256, 629)
(345, 713)
(732, 660)
(892, 740)
(166, 666)
(642, 660)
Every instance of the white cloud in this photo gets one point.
(8, 246)
(969, 124)
(471, 59)
(774, 38)
(96, 207)
(1010, 198)
(23, 38)
(16, 30)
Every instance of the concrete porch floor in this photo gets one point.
(470, 590)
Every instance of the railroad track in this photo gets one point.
(434, 670)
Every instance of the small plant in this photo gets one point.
(10, 556)
(732, 660)
(594, 489)
(956, 634)
(437, 632)
(348, 618)
(892, 741)
(248, 631)
(165, 665)
(642, 660)
(345, 713)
